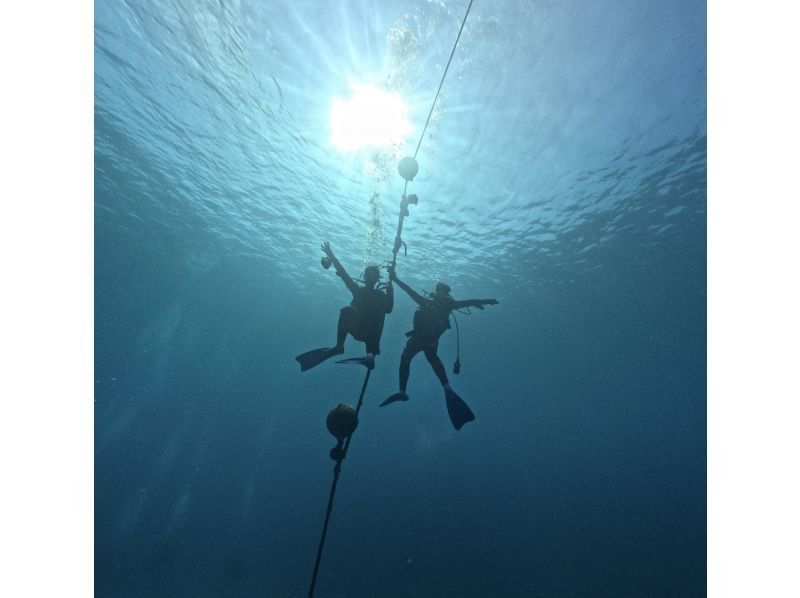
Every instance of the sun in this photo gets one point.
(371, 117)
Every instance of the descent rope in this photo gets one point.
(408, 177)
(339, 452)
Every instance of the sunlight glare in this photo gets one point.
(371, 117)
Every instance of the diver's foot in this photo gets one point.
(367, 360)
(457, 409)
(315, 357)
(398, 396)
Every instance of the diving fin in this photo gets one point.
(315, 357)
(368, 361)
(398, 396)
(457, 409)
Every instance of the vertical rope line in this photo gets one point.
(338, 467)
(443, 76)
(336, 470)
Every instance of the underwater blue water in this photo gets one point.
(564, 172)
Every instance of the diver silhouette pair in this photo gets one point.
(364, 319)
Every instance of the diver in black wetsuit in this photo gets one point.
(431, 320)
(362, 319)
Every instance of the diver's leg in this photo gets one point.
(411, 349)
(405, 364)
(436, 363)
(346, 317)
(372, 343)
(352, 323)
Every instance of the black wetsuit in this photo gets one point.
(431, 320)
(363, 318)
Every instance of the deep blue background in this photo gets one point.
(564, 174)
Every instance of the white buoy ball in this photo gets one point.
(408, 168)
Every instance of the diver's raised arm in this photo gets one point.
(340, 271)
(419, 299)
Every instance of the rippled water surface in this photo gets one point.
(563, 172)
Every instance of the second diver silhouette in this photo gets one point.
(431, 320)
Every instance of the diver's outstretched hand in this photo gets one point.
(326, 249)
(487, 302)
(392, 275)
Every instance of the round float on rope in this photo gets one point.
(342, 421)
(408, 168)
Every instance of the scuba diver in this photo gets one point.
(362, 319)
(431, 320)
